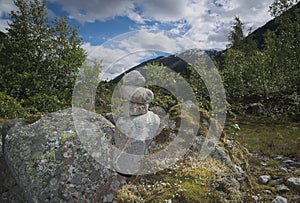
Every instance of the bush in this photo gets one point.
(10, 107)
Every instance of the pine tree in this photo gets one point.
(40, 58)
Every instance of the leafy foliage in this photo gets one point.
(271, 75)
(39, 59)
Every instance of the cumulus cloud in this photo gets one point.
(6, 7)
(89, 11)
(206, 19)
(123, 52)
(205, 22)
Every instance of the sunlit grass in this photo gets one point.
(267, 137)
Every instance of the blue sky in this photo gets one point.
(125, 32)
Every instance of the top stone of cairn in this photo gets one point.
(134, 78)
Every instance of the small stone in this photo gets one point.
(288, 161)
(264, 179)
(279, 199)
(255, 198)
(263, 163)
(282, 188)
(142, 96)
(138, 109)
(134, 78)
(284, 170)
(132, 109)
(296, 198)
(275, 182)
(139, 95)
(295, 164)
(294, 183)
(267, 191)
(278, 158)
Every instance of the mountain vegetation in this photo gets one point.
(266, 73)
(39, 60)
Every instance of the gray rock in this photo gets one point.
(134, 78)
(264, 179)
(136, 133)
(139, 127)
(50, 163)
(275, 182)
(284, 170)
(296, 198)
(267, 191)
(139, 95)
(142, 96)
(255, 198)
(138, 109)
(282, 188)
(255, 109)
(18, 122)
(280, 199)
(295, 164)
(294, 183)
(132, 109)
(9, 189)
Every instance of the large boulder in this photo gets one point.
(50, 163)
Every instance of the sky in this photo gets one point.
(124, 33)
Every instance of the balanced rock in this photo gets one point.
(139, 95)
(137, 109)
(139, 127)
(134, 78)
(142, 96)
(50, 163)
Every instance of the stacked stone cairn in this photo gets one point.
(136, 126)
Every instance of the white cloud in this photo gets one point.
(206, 19)
(89, 11)
(123, 52)
(3, 25)
(205, 22)
(6, 7)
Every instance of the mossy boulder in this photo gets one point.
(50, 163)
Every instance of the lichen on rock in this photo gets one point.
(50, 163)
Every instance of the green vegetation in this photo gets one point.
(187, 181)
(270, 75)
(268, 137)
(39, 60)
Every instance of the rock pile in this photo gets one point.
(136, 126)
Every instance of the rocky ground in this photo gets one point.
(275, 179)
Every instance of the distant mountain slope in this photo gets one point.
(178, 65)
(258, 34)
(173, 62)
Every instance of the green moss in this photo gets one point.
(37, 156)
(66, 136)
(30, 169)
(188, 181)
(95, 176)
(32, 118)
(27, 151)
(50, 155)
